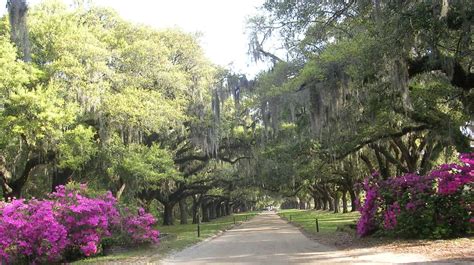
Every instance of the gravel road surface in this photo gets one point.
(267, 239)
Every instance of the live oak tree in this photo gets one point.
(100, 100)
(356, 87)
(386, 84)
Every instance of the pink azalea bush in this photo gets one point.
(87, 220)
(439, 204)
(368, 209)
(138, 228)
(31, 232)
(390, 216)
(70, 221)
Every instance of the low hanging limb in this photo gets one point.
(235, 160)
(461, 78)
(400, 133)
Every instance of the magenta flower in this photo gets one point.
(40, 231)
(390, 216)
(439, 201)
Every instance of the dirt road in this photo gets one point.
(267, 239)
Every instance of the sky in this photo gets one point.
(221, 23)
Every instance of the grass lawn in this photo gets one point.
(328, 221)
(181, 236)
(448, 250)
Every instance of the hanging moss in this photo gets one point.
(400, 82)
(17, 10)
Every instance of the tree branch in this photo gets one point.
(368, 163)
(225, 159)
(382, 136)
(5, 175)
(461, 78)
(32, 162)
(390, 158)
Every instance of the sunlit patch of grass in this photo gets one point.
(328, 221)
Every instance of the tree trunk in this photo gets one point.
(168, 214)
(336, 202)
(383, 169)
(368, 163)
(183, 212)
(5, 177)
(195, 209)
(120, 191)
(227, 208)
(218, 210)
(328, 201)
(354, 201)
(302, 205)
(222, 209)
(315, 200)
(17, 13)
(331, 203)
(14, 188)
(325, 203)
(213, 210)
(319, 204)
(61, 177)
(344, 201)
(205, 212)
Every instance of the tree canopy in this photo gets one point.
(355, 87)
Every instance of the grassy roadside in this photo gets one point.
(447, 250)
(180, 237)
(328, 221)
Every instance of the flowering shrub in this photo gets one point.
(437, 205)
(42, 231)
(139, 228)
(390, 216)
(367, 222)
(87, 220)
(30, 232)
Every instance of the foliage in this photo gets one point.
(38, 116)
(437, 205)
(140, 167)
(77, 147)
(379, 86)
(97, 95)
(143, 113)
(69, 222)
(14, 73)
